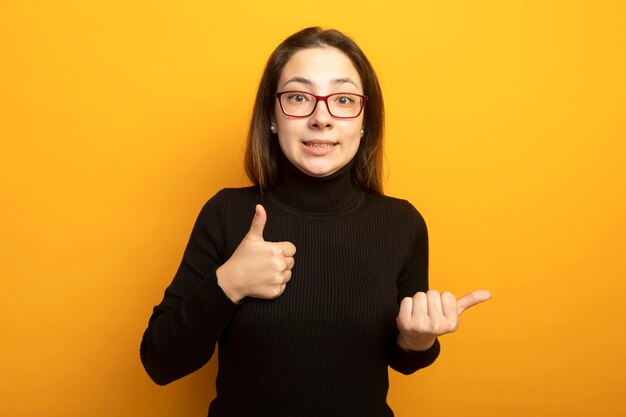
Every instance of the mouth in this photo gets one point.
(319, 144)
(319, 147)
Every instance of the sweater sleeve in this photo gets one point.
(185, 326)
(413, 278)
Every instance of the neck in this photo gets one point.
(329, 194)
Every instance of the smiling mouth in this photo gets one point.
(319, 145)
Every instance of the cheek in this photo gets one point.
(355, 147)
(286, 131)
(355, 133)
(288, 135)
(285, 146)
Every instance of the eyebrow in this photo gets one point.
(309, 82)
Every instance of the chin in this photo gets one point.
(318, 171)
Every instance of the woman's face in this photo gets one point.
(319, 144)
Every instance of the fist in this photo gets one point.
(257, 268)
(425, 316)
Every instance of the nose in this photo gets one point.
(321, 117)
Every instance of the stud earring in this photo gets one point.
(273, 128)
(362, 132)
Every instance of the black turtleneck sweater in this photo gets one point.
(322, 348)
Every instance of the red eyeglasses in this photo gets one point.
(339, 105)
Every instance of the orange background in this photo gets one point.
(506, 128)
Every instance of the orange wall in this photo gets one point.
(506, 128)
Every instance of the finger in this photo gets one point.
(473, 298)
(258, 224)
(276, 292)
(420, 305)
(434, 304)
(404, 314)
(286, 276)
(279, 264)
(449, 305)
(289, 262)
(288, 248)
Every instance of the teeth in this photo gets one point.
(320, 145)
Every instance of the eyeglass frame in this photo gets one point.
(317, 100)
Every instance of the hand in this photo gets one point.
(257, 268)
(427, 315)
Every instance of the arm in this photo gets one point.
(185, 326)
(413, 278)
(427, 314)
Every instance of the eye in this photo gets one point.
(297, 97)
(345, 99)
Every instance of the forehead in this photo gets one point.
(321, 66)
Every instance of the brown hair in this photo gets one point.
(262, 150)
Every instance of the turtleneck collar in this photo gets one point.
(332, 194)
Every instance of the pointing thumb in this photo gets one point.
(258, 223)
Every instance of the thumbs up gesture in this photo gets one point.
(257, 268)
(425, 316)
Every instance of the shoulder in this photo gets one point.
(399, 208)
(228, 199)
(227, 196)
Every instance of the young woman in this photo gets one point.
(327, 286)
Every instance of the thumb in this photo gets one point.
(258, 223)
(473, 298)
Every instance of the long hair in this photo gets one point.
(262, 149)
